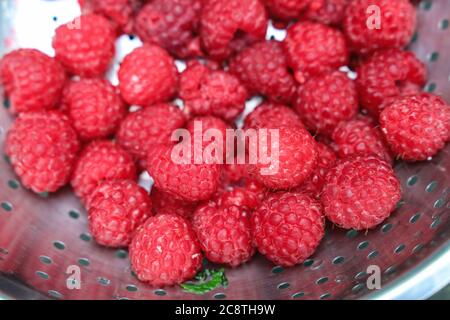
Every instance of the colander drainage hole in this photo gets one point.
(55, 294)
(363, 245)
(360, 275)
(431, 186)
(84, 262)
(412, 180)
(121, 254)
(386, 228)
(443, 25)
(372, 255)
(85, 237)
(308, 262)
(6, 206)
(322, 280)
(283, 285)
(103, 281)
(390, 270)
(298, 295)
(131, 288)
(220, 295)
(45, 260)
(357, 288)
(426, 4)
(277, 269)
(59, 245)
(431, 87)
(415, 218)
(352, 234)
(338, 260)
(325, 296)
(160, 292)
(439, 203)
(417, 248)
(436, 222)
(13, 184)
(434, 56)
(74, 214)
(42, 275)
(399, 248)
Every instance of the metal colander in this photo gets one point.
(41, 235)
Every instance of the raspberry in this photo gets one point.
(396, 24)
(119, 12)
(172, 24)
(416, 127)
(289, 9)
(165, 251)
(360, 136)
(247, 194)
(263, 69)
(288, 162)
(85, 46)
(164, 203)
(231, 24)
(331, 12)
(184, 179)
(288, 227)
(224, 233)
(42, 147)
(325, 161)
(32, 80)
(142, 129)
(268, 115)
(324, 101)
(233, 172)
(208, 92)
(116, 209)
(210, 128)
(313, 49)
(386, 75)
(94, 107)
(147, 76)
(360, 192)
(100, 160)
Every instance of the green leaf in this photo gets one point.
(206, 281)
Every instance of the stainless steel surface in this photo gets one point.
(40, 237)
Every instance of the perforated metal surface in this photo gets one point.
(40, 235)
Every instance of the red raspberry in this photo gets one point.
(313, 49)
(288, 227)
(268, 115)
(361, 136)
(119, 12)
(416, 127)
(32, 80)
(324, 101)
(165, 251)
(208, 92)
(42, 147)
(116, 209)
(230, 24)
(386, 75)
(331, 12)
(360, 192)
(94, 107)
(142, 129)
(100, 160)
(247, 194)
(397, 24)
(224, 233)
(263, 69)
(172, 24)
(290, 9)
(85, 46)
(147, 76)
(294, 163)
(164, 203)
(233, 172)
(325, 161)
(184, 179)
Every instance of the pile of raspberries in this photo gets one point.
(338, 137)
